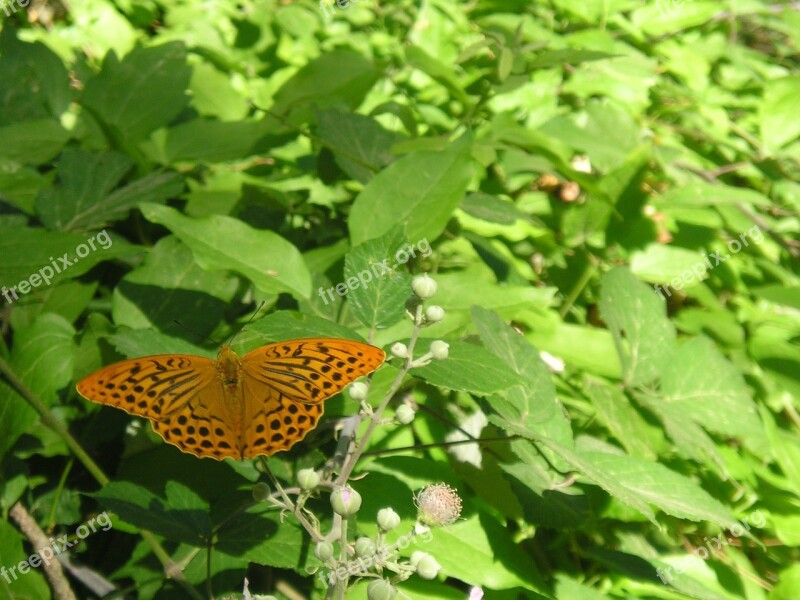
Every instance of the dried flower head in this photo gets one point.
(438, 505)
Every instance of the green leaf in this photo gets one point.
(147, 342)
(182, 516)
(534, 402)
(360, 145)
(438, 71)
(53, 256)
(580, 346)
(479, 551)
(288, 325)
(420, 191)
(67, 299)
(20, 185)
(621, 418)
(643, 335)
(35, 80)
(273, 264)
(84, 198)
(553, 58)
(261, 536)
(169, 286)
(42, 359)
(668, 17)
(468, 368)
(638, 483)
(698, 382)
(32, 142)
(378, 287)
(214, 141)
(144, 91)
(491, 208)
(778, 112)
(214, 95)
(338, 77)
(663, 263)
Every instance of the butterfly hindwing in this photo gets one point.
(273, 422)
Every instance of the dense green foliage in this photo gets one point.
(605, 194)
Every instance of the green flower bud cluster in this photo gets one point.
(368, 556)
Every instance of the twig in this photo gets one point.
(38, 538)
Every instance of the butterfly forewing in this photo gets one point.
(153, 386)
(310, 370)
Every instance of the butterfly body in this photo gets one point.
(234, 407)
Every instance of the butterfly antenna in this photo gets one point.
(201, 335)
(250, 320)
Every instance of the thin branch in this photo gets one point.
(38, 538)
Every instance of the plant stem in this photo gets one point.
(350, 463)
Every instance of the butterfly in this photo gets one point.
(234, 407)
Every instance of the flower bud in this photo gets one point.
(380, 589)
(424, 287)
(427, 567)
(388, 519)
(323, 551)
(417, 556)
(260, 491)
(438, 505)
(399, 350)
(358, 390)
(365, 547)
(307, 479)
(434, 314)
(440, 350)
(404, 414)
(345, 501)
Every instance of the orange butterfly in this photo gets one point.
(261, 403)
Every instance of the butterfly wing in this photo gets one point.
(286, 383)
(180, 395)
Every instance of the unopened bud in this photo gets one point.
(380, 589)
(308, 479)
(399, 350)
(388, 519)
(365, 547)
(434, 314)
(260, 491)
(345, 501)
(440, 350)
(323, 551)
(424, 287)
(358, 391)
(428, 568)
(404, 414)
